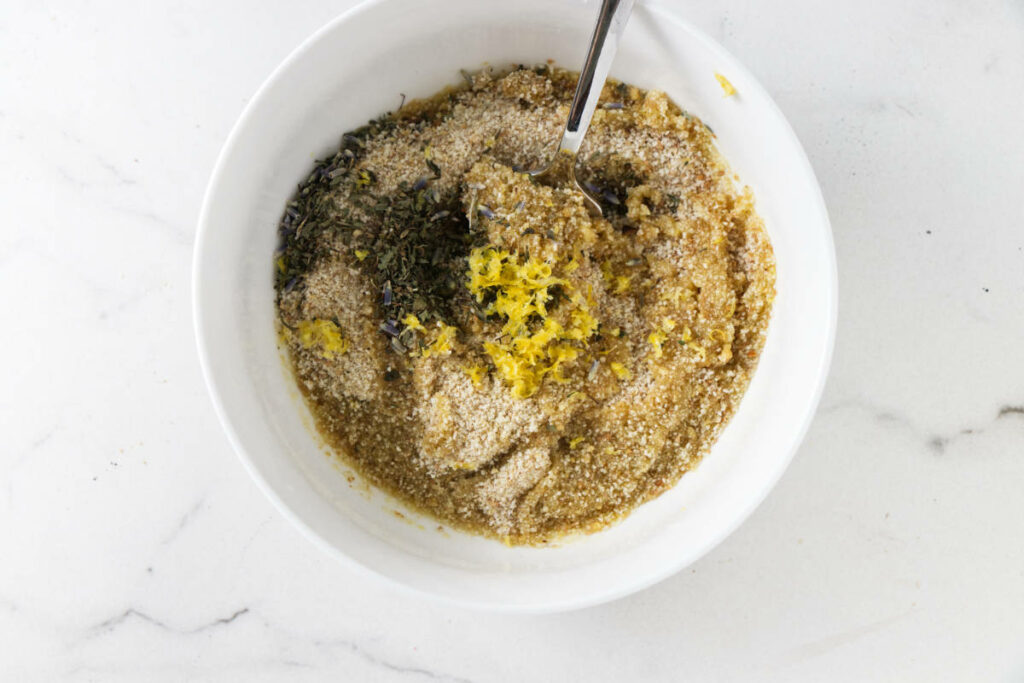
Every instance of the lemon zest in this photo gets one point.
(688, 342)
(324, 334)
(476, 374)
(656, 339)
(620, 370)
(364, 178)
(573, 264)
(413, 323)
(442, 343)
(727, 87)
(677, 294)
(532, 344)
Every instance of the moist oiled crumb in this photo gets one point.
(475, 343)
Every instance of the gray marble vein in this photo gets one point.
(184, 521)
(938, 443)
(131, 614)
(404, 671)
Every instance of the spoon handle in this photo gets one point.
(611, 22)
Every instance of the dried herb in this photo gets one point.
(311, 212)
(672, 202)
(411, 242)
(610, 177)
(417, 241)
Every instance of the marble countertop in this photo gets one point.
(134, 547)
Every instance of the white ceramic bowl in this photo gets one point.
(354, 69)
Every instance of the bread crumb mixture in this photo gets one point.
(475, 343)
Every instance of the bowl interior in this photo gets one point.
(358, 67)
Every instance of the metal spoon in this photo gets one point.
(611, 22)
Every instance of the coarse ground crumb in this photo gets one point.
(475, 343)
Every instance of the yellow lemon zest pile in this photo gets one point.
(576, 441)
(442, 343)
(476, 374)
(521, 289)
(727, 87)
(656, 339)
(413, 323)
(621, 371)
(616, 284)
(658, 336)
(364, 178)
(573, 264)
(677, 294)
(324, 334)
(688, 342)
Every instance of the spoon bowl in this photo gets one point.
(561, 171)
(604, 43)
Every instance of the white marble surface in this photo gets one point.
(134, 547)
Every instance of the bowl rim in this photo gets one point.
(204, 230)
